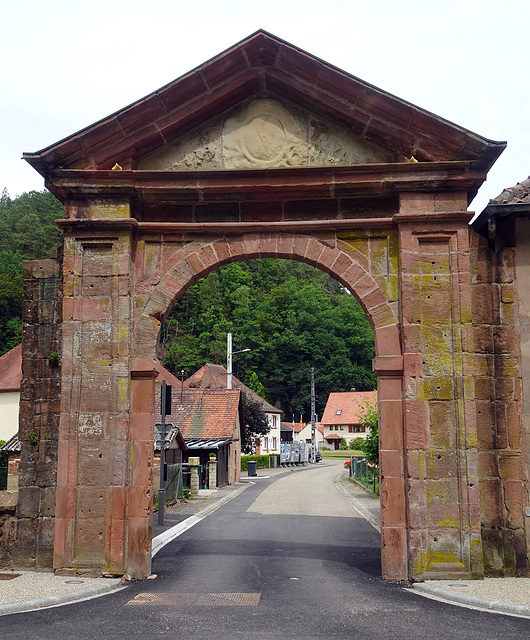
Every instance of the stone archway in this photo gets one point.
(263, 151)
(350, 267)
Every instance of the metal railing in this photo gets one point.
(365, 473)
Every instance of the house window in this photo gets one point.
(266, 443)
(341, 428)
(273, 443)
(350, 429)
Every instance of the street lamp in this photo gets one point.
(229, 354)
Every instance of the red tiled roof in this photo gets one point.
(333, 436)
(175, 384)
(213, 376)
(208, 413)
(11, 369)
(349, 403)
(514, 195)
(168, 377)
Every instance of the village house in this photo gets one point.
(342, 416)
(209, 422)
(214, 376)
(302, 433)
(10, 376)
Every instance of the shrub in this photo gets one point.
(343, 444)
(370, 420)
(263, 461)
(357, 444)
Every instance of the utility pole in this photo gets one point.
(313, 443)
(229, 360)
(229, 354)
(161, 490)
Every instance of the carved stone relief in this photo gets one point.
(265, 133)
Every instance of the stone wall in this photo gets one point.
(498, 387)
(39, 415)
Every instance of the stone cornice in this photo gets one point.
(259, 185)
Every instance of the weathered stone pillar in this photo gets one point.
(439, 399)
(93, 514)
(500, 315)
(39, 414)
(394, 534)
(194, 479)
(212, 474)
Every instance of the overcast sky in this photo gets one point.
(65, 65)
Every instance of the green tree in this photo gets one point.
(256, 385)
(370, 421)
(292, 317)
(27, 231)
(255, 421)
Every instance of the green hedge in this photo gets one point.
(263, 461)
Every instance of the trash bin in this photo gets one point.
(252, 466)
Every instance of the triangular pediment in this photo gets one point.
(264, 103)
(265, 133)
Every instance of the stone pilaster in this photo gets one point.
(440, 435)
(95, 447)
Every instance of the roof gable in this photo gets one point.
(209, 414)
(11, 369)
(214, 376)
(350, 405)
(263, 66)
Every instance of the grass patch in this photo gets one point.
(344, 454)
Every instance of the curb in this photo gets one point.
(464, 600)
(115, 584)
(62, 598)
(364, 513)
(170, 534)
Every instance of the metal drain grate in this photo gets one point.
(9, 576)
(196, 599)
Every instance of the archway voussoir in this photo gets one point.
(342, 264)
(195, 263)
(328, 258)
(300, 246)
(268, 244)
(355, 254)
(184, 274)
(353, 275)
(285, 245)
(251, 245)
(313, 252)
(373, 299)
(237, 249)
(382, 315)
(222, 249)
(208, 258)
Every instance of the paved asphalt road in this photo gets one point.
(288, 558)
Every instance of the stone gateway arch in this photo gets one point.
(264, 151)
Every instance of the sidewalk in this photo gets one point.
(497, 595)
(29, 590)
